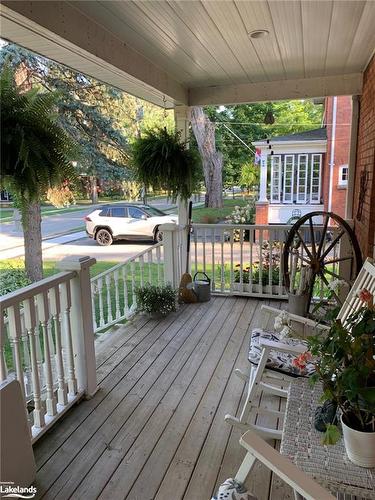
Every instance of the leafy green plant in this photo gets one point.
(275, 274)
(163, 162)
(345, 365)
(12, 279)
(156, 299)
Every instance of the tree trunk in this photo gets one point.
(32, 231)
(212, 160)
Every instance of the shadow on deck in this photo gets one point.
(155, 429)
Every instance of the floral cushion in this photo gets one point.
(233, 490)
(278, 361)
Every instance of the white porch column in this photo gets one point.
(263, 178)
(352, 158)
(82, 322)
(182, 120)
(172, 243)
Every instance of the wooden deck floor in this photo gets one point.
(155, 429)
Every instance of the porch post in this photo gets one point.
(171, 247)
(82, 322)
(182, 120)
(263, 178)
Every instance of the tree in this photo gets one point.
(36, 154)
(89, 111)
(249, 175)
(212, 160)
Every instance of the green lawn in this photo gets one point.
(205, 215)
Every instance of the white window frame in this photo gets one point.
(298, 198)
(317, 201)
(274, 187)
(343, 182)
(285, 200)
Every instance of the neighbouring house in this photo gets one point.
(306, 171)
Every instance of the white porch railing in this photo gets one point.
(113, 291)
(47, 343)
(240, 259)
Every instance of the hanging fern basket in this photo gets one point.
(163, 162)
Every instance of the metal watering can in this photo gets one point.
(202, 287)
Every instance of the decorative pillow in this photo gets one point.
(233, 490)
(278, 361)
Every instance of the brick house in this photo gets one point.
(307, 171)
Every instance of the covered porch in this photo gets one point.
(155, 428)
(148, 422)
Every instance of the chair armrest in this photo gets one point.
(284, 468)
(295, 317)
(279, 346)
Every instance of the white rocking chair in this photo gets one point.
(257, 449)
(271, 358)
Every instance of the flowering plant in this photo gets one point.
(345, 364)
(242, 215)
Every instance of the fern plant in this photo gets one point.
(163, 162)
(36, 153)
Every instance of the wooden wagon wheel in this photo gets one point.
(321, 241)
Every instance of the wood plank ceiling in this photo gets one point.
(204, 43)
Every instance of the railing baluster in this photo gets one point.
(261, 260)
(101, 309)
(204, 250)
(213, 236)
(141, 270)
(222, 277)
(149, 262)
(158, 260)
(66, 304)
(45, 319)
(132, 273)
(33, 332)
(270, 270)
(251, 240)
(125, 284)
(15, 332)
(108, 284)
(3, 365)
(231, 240)
(241, 238)
(56, 316)
(117, 294)
(195, 250)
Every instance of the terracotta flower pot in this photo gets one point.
(359, 446)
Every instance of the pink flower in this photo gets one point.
(365, 296)
(301, 361)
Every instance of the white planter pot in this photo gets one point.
(359, 446)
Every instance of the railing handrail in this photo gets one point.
(126, 261)
(268, 227)
(35, 289)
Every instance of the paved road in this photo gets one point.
(53, 225)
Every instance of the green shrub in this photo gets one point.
(12, 279)
(156, 299)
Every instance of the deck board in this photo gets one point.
(155, 428)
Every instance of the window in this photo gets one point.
(302, 171)
(105, 213)
(135, 213)
(118, 212)
(154, 212)
(288, 178)
(316, 163)
(343, 175)
(275, 178)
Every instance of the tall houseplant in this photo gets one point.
(36, 154)
(345, 364)
(163, 162)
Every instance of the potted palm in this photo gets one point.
(345, 364)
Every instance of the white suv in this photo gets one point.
(126, 221)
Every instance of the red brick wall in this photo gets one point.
(341, 152)
(364, 228)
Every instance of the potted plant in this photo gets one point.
(158, 301)
(345, 364)
(165, 163)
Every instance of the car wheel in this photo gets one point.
(104, 238)
(158, 237)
